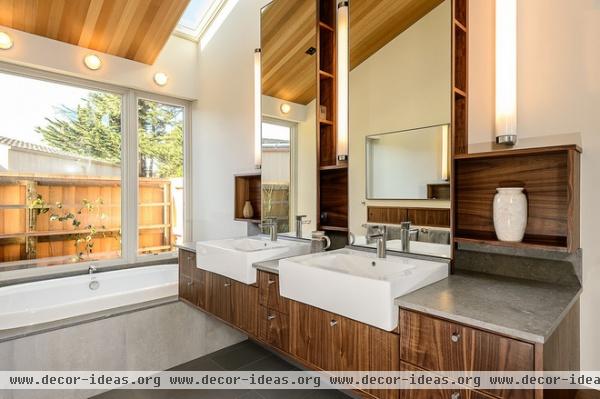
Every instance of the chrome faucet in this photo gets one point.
(92, 269)
(381, 237)
(405, 231)
(299, 223)
(272, 225)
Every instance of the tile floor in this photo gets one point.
(243, 356)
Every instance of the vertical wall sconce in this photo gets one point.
(445, 152)
(342, 81)
(257, 110)
(506, 72)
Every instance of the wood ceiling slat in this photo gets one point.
(134, 29)
(89, 25)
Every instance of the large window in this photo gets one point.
(160, 192)
(66, 193)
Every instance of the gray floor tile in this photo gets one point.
(284, 393)
(201, 364)
(269, 363)
(327, 394)
(240, 357)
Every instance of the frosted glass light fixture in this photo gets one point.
(506, 72)
(257, 110)
(342, 81)
(93, 62)
(445, 151)
(6, 41)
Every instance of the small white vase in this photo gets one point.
(510, 214)
(248, 211)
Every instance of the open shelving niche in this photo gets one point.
(550, 178)
(332, 175)
(248, 187)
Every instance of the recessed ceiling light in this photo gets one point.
(92, 61)
(285, 108)
(161, 78)
(6, 41)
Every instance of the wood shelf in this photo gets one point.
(550, 177)
(325, 122)
(334, 228)
(459, 92)
(248, 220)
(325, 26)
(553, 244)
(460, 25)
(325, 75)
(333, 167)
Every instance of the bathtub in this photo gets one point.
(50, 300)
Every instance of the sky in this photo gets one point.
(25, 103)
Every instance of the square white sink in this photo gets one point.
(357, 284)
(233, 257)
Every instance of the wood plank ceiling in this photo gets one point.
(374, 23)
(133, 29)
(288, 29)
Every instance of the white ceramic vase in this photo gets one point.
(248, 211)
(510, 214)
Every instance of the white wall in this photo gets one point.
(223, 120)
(405, 85)
(306, 172)
(558, 102)
(177, 59)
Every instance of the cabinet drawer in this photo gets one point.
(244, 307)
(268, 285)
(458, 393)
(274, 328)
(434, 344)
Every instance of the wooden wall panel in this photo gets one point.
(433, 217)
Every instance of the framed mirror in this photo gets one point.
(289, 137)
(399, 122)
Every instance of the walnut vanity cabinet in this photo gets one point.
(192, 281)
(273, 314)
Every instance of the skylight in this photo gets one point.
(197, 17)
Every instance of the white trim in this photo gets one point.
(196, 34)
(129, 173)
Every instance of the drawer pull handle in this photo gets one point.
(190, 283)
(455, 395)
(333, 323)
(455, 338)
(271, 317)
(226, 284)
(269, 282)
(190, 258)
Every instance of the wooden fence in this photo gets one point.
(55, 216)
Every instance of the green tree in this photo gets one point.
(93, 130)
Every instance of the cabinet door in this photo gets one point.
(309, 338)
(199, 285)
(349, 341)
(186, 260)
(268, 284)
(244, 307)
(274, 328)
(218, 296)
(384, 355)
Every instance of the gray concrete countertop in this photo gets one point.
(523, 309)
(188, 246)
(271, 266)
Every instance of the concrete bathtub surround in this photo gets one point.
(152, 339)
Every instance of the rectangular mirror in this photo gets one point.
(399, 122)
(289, 137)
(412, 164)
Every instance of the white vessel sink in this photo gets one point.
(357, 284)
(233, 257)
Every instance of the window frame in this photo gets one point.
(25, 269)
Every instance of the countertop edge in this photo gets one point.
(493, 327)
